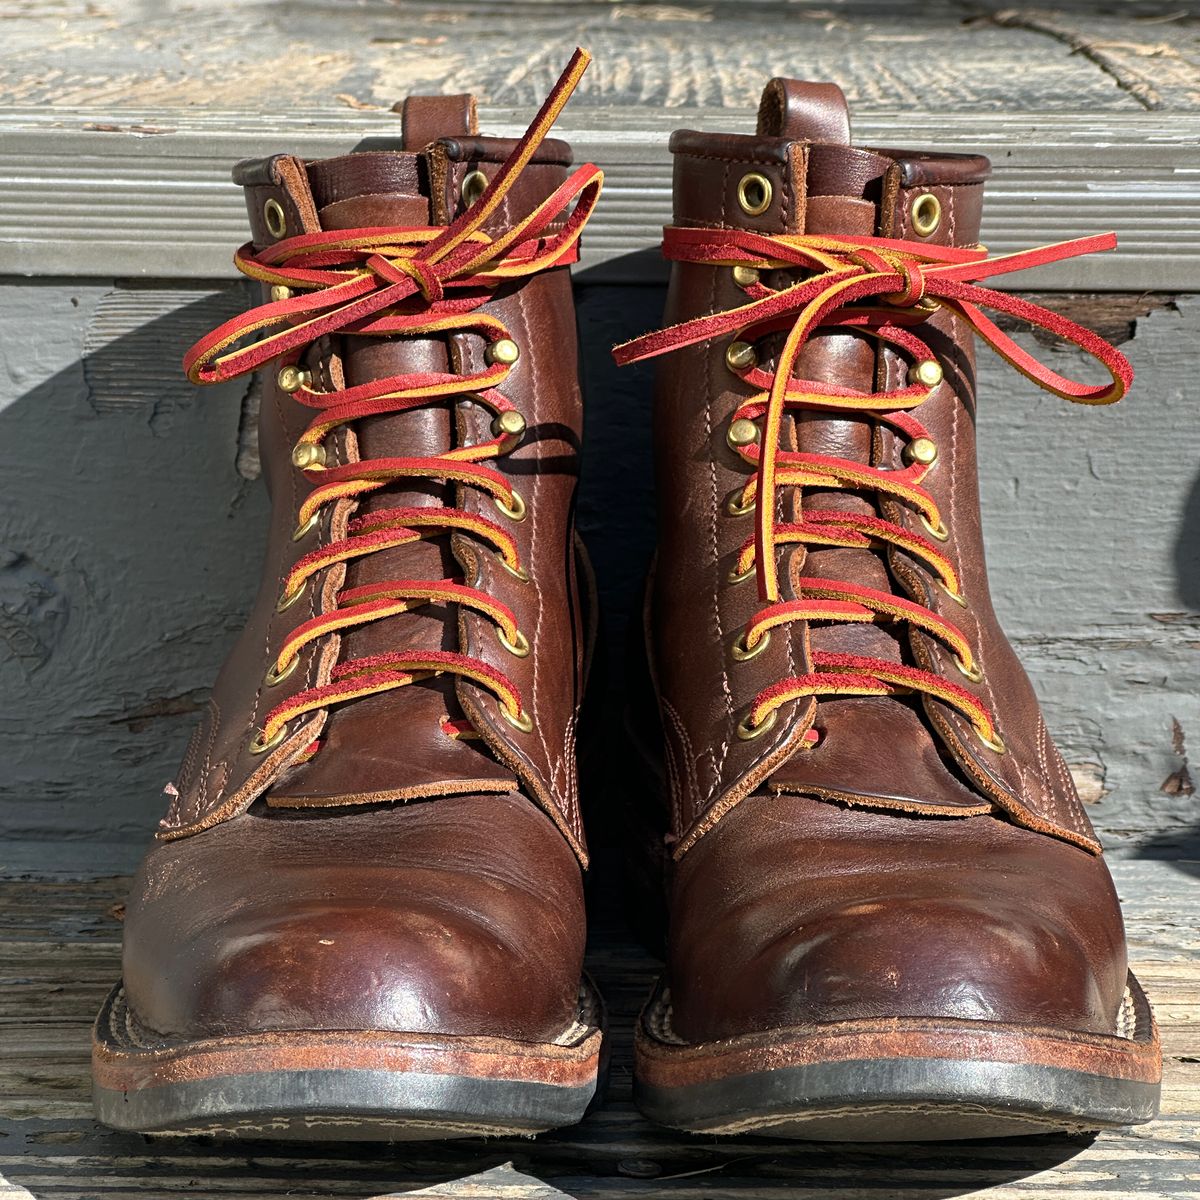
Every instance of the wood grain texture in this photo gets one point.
(59, 954)
(272, 55)
(125, 192)
(119, 122)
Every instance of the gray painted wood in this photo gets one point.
(118, 122)
(59, 954)
(130, 538)
(94, 194)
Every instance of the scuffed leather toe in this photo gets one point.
(794, 911)
(402, 919)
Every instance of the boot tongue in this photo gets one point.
(844, 193)
(391, 744)
(841, 189)
(360, 191)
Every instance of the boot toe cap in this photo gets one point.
(421, 925)
(809, 914)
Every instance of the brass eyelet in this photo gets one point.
(921, 450)
(973, 672)
(259, 746)
(926, 214)
(275, 218)
(522, 722)
(734, 506)
(998, 745)
(957, 597)
(274, 677)
(292, 379)
(509, 425)
(940, 531)
(740, 356)
(754, 193)
(288, 599)
(741, 432)
(928, 373)
(519, 648)
(514, 513)
(748, 732)
(736, 576)
(504, 351)
(745, 276)
(308, 457)
(473, 186)
(744, 653)
(516, 572)
(302, 530)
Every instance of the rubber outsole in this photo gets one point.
(344, 1086)
(901, 1080)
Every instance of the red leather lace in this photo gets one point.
(383, 282)
(884, 288)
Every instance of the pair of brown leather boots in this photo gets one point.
(364, 914)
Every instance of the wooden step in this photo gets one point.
(119, 123)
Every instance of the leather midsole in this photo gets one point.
(665, 1062)
(120, 1065)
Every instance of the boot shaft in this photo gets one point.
(510, 374)
(799, 177)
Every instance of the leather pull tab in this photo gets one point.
(424, 119)
(813, 112)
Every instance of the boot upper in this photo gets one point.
(867, 849)
(376, 824)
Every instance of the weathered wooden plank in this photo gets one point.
(499, 1183)
(62, 939)
(939, 54)
(95, 194)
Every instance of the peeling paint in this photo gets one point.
(137, 719)
(33, 610)
(1089, 780)
(1179, 782)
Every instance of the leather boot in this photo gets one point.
(363, 916)
(889, 917)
